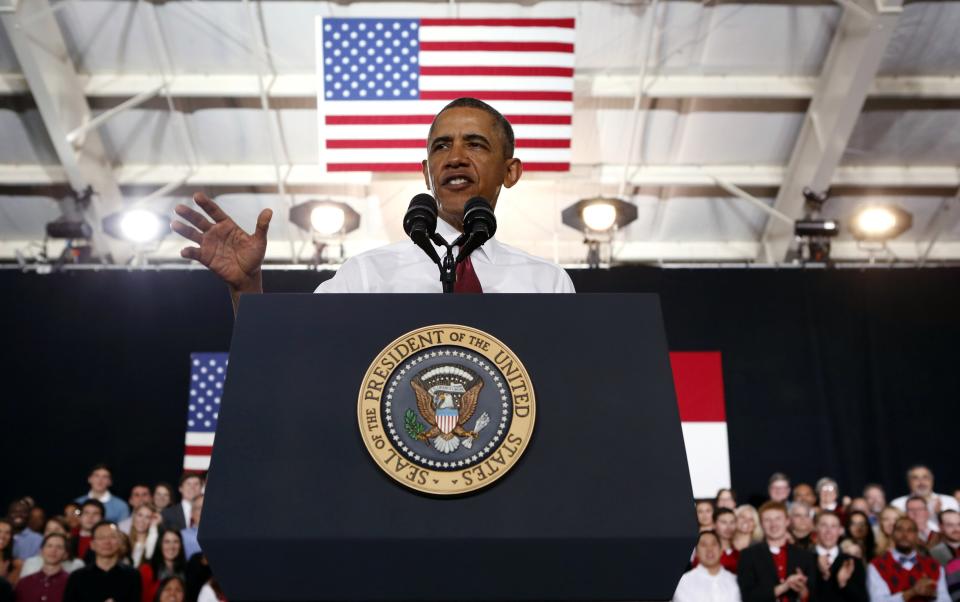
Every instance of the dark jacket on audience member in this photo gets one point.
(757, 574)
(173, 518)
(93, 584)
(856, 589)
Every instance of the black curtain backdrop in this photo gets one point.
(851, 374)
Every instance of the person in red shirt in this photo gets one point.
(167, 561)
(48, 584)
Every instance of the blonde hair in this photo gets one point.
(883, 540)
(757, 534)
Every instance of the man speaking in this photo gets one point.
(469, 153)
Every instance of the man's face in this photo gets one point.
(106, 542)
(139, 495)
(828, 530)
(875, 499)
(17, 513)
(726, 525)
(89, 516)
(708, 551)
(465, 158)
(191, 488)
(37, 518)
(950, 526)
(905, 535)
(54, 551)
(804, 493)
(779, 490)
(920, 481)
(774, 524)
(800, 522)
(99, 480)
(918, 513)
(71, 514)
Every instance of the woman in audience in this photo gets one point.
(859, 531)
(33, 564)
(828, 495)
(162, 496)
(709, 581)
(704, 514)
(143, 533)
(884, 530)
(9, 566)
(748, 527)
(726, 499)
(171, 589)
(166, 561)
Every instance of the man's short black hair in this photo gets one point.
(94, 502)
(506, 130)
(718, 512)
(108, 523)
(915, 498)
(190, 475)
(100, 466)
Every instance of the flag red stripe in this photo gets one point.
(511, 71)
(428, 119)
(199, 450)
(698, 379)
(421, 143)
(543, 166)
(565, 23)
(496, 46)
(495, 95)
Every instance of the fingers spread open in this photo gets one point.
(186, 231)
(194, 217)
(190, 253)
(211, 208)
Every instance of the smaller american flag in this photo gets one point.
(207, 374)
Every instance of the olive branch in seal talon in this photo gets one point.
(413, 426)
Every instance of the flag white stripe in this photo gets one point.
(200, 439)
(708, 456)
(490, 82)
(495, 59)
(416, 155)
(196, 462)
(456, 33)
(432, 107)
(419, 132)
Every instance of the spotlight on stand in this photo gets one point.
(325, 220)
(813, 234)
(879, 223)
(598, 219)
(136, 225)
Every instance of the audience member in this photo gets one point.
(904, 575)
(26, 541)
(47, 584)
(775, 568)
(139, 495)
(71, 516)
(172, 589)
(100, 479)
(708, 581)
(748, 527)
(34, 564)
(91, 513)
(178, 516)
(841, 577)
(919, 512)
(778, 488)
(143, 533)
(9, 564)
(167, 561)
(828, 494)
(704, 514)
(949, 547)
(884, 531)
(106, 577)
(37, 519)
(803, 492)
(725, 521)
(726, 498)
(189, 535)
(162, 496)
(860, 505)
(920, 484)
(876, 501)
(801, 525)
(859, 531)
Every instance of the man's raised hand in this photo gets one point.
(224, 247)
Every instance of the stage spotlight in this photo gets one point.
(880, 222)
(325, 218)
(599, 215)
(69, 229)
(136, 226)
(816, 227)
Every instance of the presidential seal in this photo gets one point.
(446, 409)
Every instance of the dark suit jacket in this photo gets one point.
(856, 589)
(173, 518)
(757, 575)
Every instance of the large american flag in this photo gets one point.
(383, 80)
(207, 374)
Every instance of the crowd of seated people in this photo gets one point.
(805, 543)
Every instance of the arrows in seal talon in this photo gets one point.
(478, 426)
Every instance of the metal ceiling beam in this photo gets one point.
(849, 70)
(303, 85)
(42, 54)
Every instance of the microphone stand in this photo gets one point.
(448, 266)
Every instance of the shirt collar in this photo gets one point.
(832, 552)
(910, 558)
(488, 251)
(102, 499)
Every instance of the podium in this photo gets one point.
(598, 507)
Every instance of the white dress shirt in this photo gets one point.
(831, 554)
(698, 585)
(880, 591)
(403, 267)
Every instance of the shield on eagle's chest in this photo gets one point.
(447, 419)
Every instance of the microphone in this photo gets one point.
(420, 223)
(479, 225)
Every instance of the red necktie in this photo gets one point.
(467, 281)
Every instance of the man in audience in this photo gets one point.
(919, 513)
(841, 576)
(37, 519)
(803, 492)
(708, 581)
(876, 501)
(774, 569)
(26, 542)
(139, 495)
(100, 479)
(949, 547)
(778, 488)
(50, 581)
(920, 483)
(903, 575)
(106, 578)
(189, 535)
(91, 513)
(177, 516)
(801, 525)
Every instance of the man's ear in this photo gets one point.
(426, 174)
(513, 172)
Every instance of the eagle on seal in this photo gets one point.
(446, 398)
